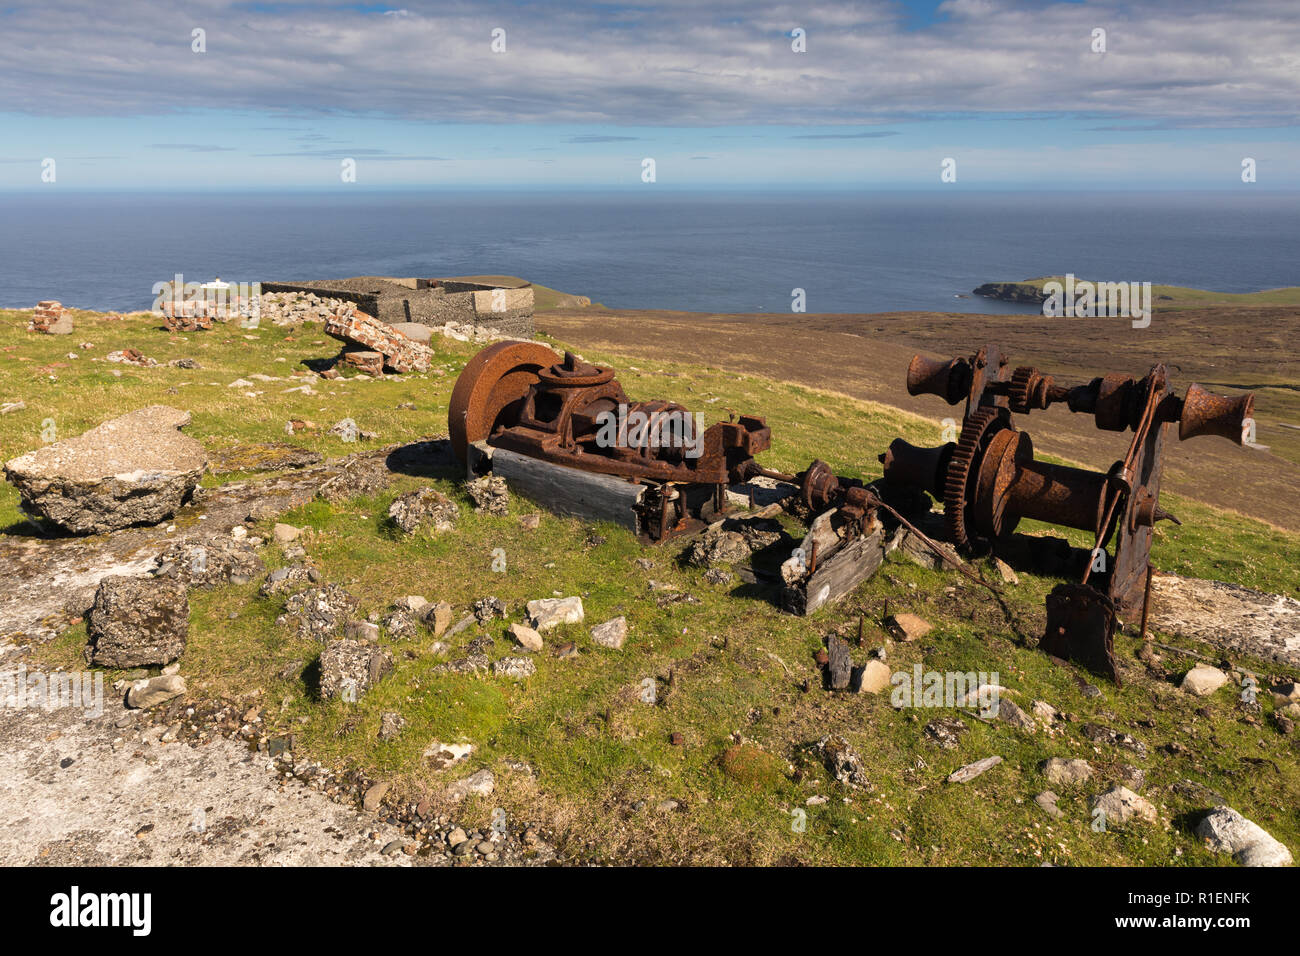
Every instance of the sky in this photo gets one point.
(976, 94)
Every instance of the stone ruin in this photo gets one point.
(51, 318)
(431, 302)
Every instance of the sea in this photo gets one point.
(697, 250)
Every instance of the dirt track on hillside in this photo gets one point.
(866, 356)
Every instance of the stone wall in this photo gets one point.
(427, 301)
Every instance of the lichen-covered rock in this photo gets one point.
(285, 580)
(358, 477)
(611, 634)
(135, 469)
(547, 613)
(349, 668)
(318, 613)
(207, 564)
(425, 508)
(490, 495)
(843, 761)
(152, 691)
(1226, 831)
(137, 622)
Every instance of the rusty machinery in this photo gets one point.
(523, 397)
(988, 480)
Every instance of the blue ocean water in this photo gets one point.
(725, 251)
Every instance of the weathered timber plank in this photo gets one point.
(568, 491)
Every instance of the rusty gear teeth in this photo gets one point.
(974, 433)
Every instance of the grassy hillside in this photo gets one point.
(1179, 297)
(729, 670)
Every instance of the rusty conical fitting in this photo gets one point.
(949, 380)
(1205, 413)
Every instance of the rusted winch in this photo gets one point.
(524, 398)
(989, 480)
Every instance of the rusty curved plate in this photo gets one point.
(490, 389)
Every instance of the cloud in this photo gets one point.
(671, 63)
(192, 147)
(595, 138)
(879, 135)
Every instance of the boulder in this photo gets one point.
(137, 622)
(135, 469)
(349, 668)
(1203, 680)
(1227, 831)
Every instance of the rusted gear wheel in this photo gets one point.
(958, 487)
(489, 391)
(1028, 389)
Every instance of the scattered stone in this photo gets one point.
(874, 677)
(349, 668)
(359, 477)
(365, 362)
(611, 634)
(438, 617)
(440, 756)
(1135, 778)
(530, 522)
(1047, 801)
(547, 613)
(516, 668)
(284, 533)
(400, 625)
(1227, 831)
(1203, 680)
(1066, 773)
(481, 782)
(152, 691)
(1121, 805)
(839, 666)
(424, 508)
(1007, 574)
(137, 622)
(390, 725)
(361, 631)
(131, 357)
(8, 407)
(284, 580)
(566, 650)
(318, 613)
(908, 627)
(946, 731)
(718, 547)
(843, 761)
(1010, 713)
(1106, 735)
(472, 664)
(488, 609)
(374, 797)
(972, 770)
(490, 495)
(718, 576)
(134, 469)
(526, 637)
(208, 564)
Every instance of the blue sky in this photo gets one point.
(715, 93)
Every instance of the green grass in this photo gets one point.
(736, 663)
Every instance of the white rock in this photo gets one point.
(1203, 680)
(441, 756)
(547, 613)
(1121, 805)
(610, 634)
(481, 782)
(1227, 831)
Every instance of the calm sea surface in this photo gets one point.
(725, 252)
